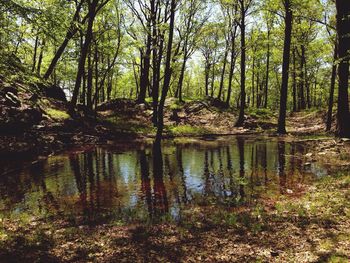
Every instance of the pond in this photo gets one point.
(102, 183)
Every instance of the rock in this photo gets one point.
(84, 109)
(175, 116)
(194, 108)
(57, 93)
(15, 120)
(215, 102)
(12, 100)
(9, 88)
(117, 105)
(142, 107)
(54, 92)
(275, 253)
(34, 97)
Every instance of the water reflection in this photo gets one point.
(152, 182)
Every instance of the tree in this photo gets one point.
(244, 6)
(343, 30)
(209, 47)
(331, 92)
(192, 20)
(167, 73)
(144, 12)
(285, 68)
(72, 30)
(93, 7)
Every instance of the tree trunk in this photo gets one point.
(253, 81)
(155, 82)
(178, 93)
(72, 30)
(295, 108)
(41, 55)
(212, 80)
(144, 79)
(258, 94)
(223, 73)
(267, 68)
(331, 92)
(232, 66)
(167, 74)
(35, 52)
(285, 68)
(89, 84)
(343, 29)
(97, 97)
(302, 80)
(84, 52)
(307, 83)
(240, 120)
(207, 71)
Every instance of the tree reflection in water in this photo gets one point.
(281, 165)
(240, 144)
(154, 181)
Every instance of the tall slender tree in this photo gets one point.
(244, 6)
(167, 73)
(285, 67)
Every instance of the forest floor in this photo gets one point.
(206, 117)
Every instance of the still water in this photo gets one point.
(106, 183)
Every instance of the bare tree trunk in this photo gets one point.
(253, 82)
(207, 71)
(331, 92)
(178, 93)
(146, 62)
(267, 68)
(302, 80)
(35, 52)
(294, 83)
(89, 83)
(343, 29)
(240, 120)
(232, 66)
(41, 55)
(167, 75)
(285, 68)
(307, 83)
(212, 80)
(72, 30)
(84, 52)
(223, 72)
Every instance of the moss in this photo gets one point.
(260, 113)
(176, 105)
(186, 130)
(337, 259)
(130, 126)
(57, 114)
